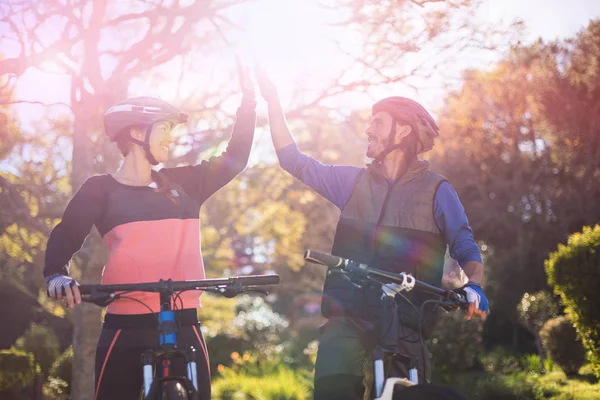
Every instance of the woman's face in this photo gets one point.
(161, 140)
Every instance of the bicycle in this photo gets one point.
(165, 386)
(387, 387)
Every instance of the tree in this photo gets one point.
(574, 274)
(18, 371)
(564, 347)
(534, 310)
(82, 48)
(104, 49)
(509, 153)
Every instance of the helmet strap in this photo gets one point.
(391, 147)
(146, 145)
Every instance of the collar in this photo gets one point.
(414, 170)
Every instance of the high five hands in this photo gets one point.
(246, 82)
(266, 86)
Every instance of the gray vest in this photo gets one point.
(390, 227)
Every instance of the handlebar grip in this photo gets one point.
(324, 259)
(85, 289)
(256, 280)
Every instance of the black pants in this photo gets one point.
(124, 338)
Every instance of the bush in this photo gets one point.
(282, 384)
(500, 360)
(17, 370)
(253, 327)
(455, 344)
(42, 343)
(508, 387)
(56, 389)
(532, 363)
(537, 308)
(486, 386)
(560, 340)
(61, 373)
(574, 272)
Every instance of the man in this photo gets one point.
(396, 215)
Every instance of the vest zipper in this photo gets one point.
(373, 239)
(385, 201)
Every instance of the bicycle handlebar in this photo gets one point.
(401, 279)
(177, 286)
(324, 259)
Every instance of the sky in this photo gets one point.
(550, 19)
(288, 35)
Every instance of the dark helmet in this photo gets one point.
(404, 110)
(138, 111)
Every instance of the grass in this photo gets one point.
(555, 383)
(284, 384)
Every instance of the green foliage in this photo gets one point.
(532, 363)
(553, 385)
(500, 360)
(556, 386)
(58, 384)
(508, 387)
(525, 166)
(574, 272)
(455, 344)
(493, 386)
(216, 314)
(560, 340)
(63, 366)
(56, 389)
(17, 369)
(246, 323)
(261, 325)
(42, 342)
(282, 383)
(537, 308)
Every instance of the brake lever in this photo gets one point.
(351, 278)
(225, 291)
(254, 289)
(231, 291)
(455, 300)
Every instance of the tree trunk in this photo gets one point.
(86, 328)
(90, 259)
(541, 352)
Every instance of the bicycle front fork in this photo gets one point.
(149, 357)
(379, 369)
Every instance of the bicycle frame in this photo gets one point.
(167, 328)
(383, 387)
(102, 295)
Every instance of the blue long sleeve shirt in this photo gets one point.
(336, 183)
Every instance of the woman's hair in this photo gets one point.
(163, 184)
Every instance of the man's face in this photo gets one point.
(378, 133)
(161, 140)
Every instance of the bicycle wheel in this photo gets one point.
(427, 392)
(174, 391)
(171, 390)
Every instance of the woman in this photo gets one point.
(150, 223)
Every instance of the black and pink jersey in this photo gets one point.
(149, 236)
